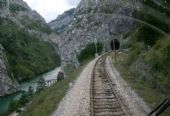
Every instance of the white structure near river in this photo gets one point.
(51, 77)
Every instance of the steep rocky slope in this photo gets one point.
(25, 38)
(7, 85)
(93, 19)
(63, 21)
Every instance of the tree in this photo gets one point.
(30, 92)
(60, 76)
(24, 98)
(13, 105)
(41, 84)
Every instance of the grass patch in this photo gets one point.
(46, 102)
(150, 96)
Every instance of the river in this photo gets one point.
(4, 101)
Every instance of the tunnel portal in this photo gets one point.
(115, 44)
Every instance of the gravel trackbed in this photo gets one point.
(77, 100)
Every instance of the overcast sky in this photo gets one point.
(50, 9)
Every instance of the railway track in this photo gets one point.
(104, 101)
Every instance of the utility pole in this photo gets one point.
(95, 43)
(114, 44)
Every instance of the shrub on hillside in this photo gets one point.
(159, 60)
(89, 52)
(13, 105)
(40, 85)
(147, 34)
(60, 76)
(135, 50)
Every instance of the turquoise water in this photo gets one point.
(4, 101)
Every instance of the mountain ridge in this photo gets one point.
(27, 43)
(93, 19)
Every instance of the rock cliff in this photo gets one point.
(7, 85)
(63, 21)
(104, 20)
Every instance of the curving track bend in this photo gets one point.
(104, 101)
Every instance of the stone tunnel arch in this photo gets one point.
(115, 44)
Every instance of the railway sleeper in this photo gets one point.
(104, 97)
(99, 107)
(104, 89)
(102, 93)
(116, 110)
(105, 100)
(100, 102)
(100, 80)
(109, 114)
(105, 104)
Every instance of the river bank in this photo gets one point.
(4, 101)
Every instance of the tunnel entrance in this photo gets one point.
(115, 44)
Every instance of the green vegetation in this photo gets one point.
(146, 66)
(68, 69)
(135, 51)
(46, 102)
(35, 25)
(60, 76)
(31, 91)
(163, 7)
(41, 84)
(27, 56)
(22, 101)
(147, 34)
(15, 7)
(158, 58)
(152, 48)
(26, 97)
(150, 95)
(89, 52)
(13, 105)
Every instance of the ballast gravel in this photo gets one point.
(77, 100)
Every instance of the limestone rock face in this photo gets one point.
(7, 85)
(103, 20)
(63, 21)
